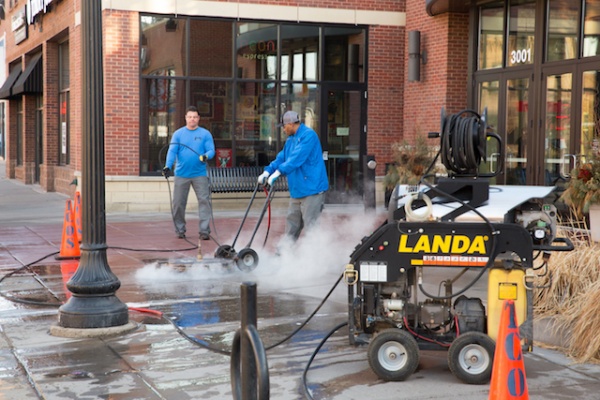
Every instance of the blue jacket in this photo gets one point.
(301, 160)
(186, 147)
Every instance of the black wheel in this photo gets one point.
(471, 358)
(225, 251)
(247, 260)
(393, 355)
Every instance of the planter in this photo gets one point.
(595, 222)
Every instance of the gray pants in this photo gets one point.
(180, 197)
(302, 213)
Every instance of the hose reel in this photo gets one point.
(463, 140)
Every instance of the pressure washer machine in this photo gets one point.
(457, 226)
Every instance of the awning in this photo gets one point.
(31, 80)
(6, 89)
(437, 7)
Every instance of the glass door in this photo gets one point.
(343, 142)
(517, 131)
(558, 155)
(504, 99)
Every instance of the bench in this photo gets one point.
(240, 179)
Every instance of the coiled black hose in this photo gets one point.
(463, 142)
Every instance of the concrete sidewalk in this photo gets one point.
(158, 272)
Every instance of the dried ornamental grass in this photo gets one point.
(572, 298)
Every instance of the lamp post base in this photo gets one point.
(83, 312)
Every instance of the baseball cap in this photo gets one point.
(290, 117)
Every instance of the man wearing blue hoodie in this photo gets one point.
(191, 147)
(301, 160)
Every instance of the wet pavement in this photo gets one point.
(171, 355)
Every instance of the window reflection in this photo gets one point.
(563, 29)
(299, 48)
(210, 49)
(159, 37)
(242, 76)
(256, 51)
(517, 117)
(489, 102)
(491, 36)
(161, 119)
(590, 113)
(591, 28)
(343, 54)
(521, 32)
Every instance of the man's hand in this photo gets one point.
(167, 172)
(203, 158)
(262, 179)
(273, 178)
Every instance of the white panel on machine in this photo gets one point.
(373, 272)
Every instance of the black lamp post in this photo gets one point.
(93, 303)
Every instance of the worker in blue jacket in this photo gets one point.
(191, 147)
(301, 160)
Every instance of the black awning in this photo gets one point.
(437, 7)
(6, 89)
(31, 80)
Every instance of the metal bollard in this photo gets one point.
(249, 368)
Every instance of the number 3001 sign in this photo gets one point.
(520, 56)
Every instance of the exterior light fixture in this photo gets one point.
(415, 56)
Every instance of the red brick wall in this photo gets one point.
(443, 77)
(395, 108)
(121, 92)
(386, 92)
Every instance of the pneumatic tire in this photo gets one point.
(393, 354)
(471, 357)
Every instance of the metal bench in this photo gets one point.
(239, 179)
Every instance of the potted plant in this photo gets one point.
(582, 193)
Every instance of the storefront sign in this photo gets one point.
(18, 25)
(36, 7)
(260, 50)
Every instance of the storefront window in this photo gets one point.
(563, 27)
(591, 29)
(163, 45)
(491, 36)
(343, 54)
(256, 51)
(64, 83)
(255, 123)
(210, 48)
(213, 100)
(242, 76)
(304, 99)
(299, 52)
(521, 32)
(162, 120)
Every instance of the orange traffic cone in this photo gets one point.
(69, 247)
(77, 205)
(508, 373)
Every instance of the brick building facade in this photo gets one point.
(395, 108)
